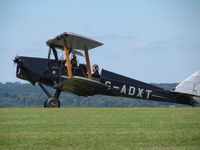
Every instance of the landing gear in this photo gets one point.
(45, 103)
(53, 101)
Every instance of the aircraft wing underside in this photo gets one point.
(83, 87)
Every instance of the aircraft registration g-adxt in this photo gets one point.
(58, 73)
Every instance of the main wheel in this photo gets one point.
(45, 103)
(52, 103)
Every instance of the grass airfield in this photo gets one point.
(100, 128)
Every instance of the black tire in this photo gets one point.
(45, 104)
(53, 103)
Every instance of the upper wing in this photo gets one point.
(83, 87)
(74, 41)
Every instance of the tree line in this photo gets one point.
(26, 95)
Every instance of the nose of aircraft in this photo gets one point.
(16, 59)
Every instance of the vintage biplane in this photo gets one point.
(59, 74)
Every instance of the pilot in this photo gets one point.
(74, 62)
(95, 70)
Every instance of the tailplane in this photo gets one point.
(190, 88)
(191, 85)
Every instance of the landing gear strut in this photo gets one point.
(53, 101)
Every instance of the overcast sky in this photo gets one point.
(150, 40)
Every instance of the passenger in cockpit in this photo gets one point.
(95, 70)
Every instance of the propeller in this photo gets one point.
(16, 59)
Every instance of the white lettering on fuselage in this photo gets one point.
(123, 90)
(131, 90)
(148, 93)
(108, 83)
(140, 92)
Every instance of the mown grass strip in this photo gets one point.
(100, 128)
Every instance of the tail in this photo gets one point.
(190, 88)
(191, 85)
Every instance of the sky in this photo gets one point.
(155, 41)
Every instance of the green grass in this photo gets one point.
(100, 128)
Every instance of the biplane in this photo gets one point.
(58, 73)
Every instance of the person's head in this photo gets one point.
(74, 56)
(95, 68)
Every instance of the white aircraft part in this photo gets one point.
(191, 85)
(196, 99)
